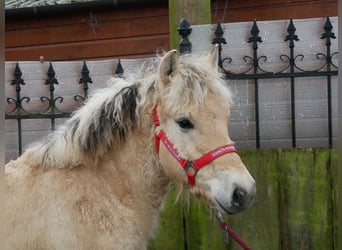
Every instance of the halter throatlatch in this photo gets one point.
(191, 167)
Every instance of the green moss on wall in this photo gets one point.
(293, 209)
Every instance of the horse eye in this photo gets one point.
(185, 123)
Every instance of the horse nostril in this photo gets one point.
(239, 197)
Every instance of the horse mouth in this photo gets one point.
(222, 208)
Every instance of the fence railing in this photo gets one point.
(251, 72)
(15, 105)
(291, 70)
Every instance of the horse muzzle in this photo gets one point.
(230, 196)
(240, 201)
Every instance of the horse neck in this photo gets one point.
(136, 162)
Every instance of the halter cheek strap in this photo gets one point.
(191, 167)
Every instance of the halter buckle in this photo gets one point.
(191, 172)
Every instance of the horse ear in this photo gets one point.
(168, 66)
(212, 57)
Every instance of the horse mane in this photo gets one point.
(111, 113)
(102, 123)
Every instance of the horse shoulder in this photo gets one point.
(67, 207)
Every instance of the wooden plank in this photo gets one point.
(117, 48)
(266, 3)
(24, 32)
(241, 11)
(306, 199)
(335, 173)
(259, 225)
(26, 38)
(170, 234)
(195, 11)
(203, 231)
(293, 207)
(235, 11)
(82, 32)
(111, 14)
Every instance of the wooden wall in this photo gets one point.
(89, 35)
(133, 31)
(295, 207)
(248, 10)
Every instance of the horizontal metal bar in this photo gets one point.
(280, 75)
(36, 116)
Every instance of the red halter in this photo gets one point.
(195, 165)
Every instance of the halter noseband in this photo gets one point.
(191, 167)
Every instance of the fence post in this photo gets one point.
(52, 100)
(291, 37)
(195, 11)
(338, 188)
(328, 35)
(85, 79)
(219, 39)
(184, 31)
(18, 108)
(254, 39)
(119, 71)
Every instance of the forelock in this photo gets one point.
(195, 79)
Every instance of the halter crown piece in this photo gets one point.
(191, 167)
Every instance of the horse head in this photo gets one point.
(191, 119)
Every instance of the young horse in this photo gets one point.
(98, 182)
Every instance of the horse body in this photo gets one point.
(85, 207)
(98, 182)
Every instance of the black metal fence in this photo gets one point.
(255, 72)
(52, 111)
(291, 70)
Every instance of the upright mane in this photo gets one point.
(112, 112)
(102, 123)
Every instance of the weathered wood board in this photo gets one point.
(293, 208)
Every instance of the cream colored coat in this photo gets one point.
(98, 182)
